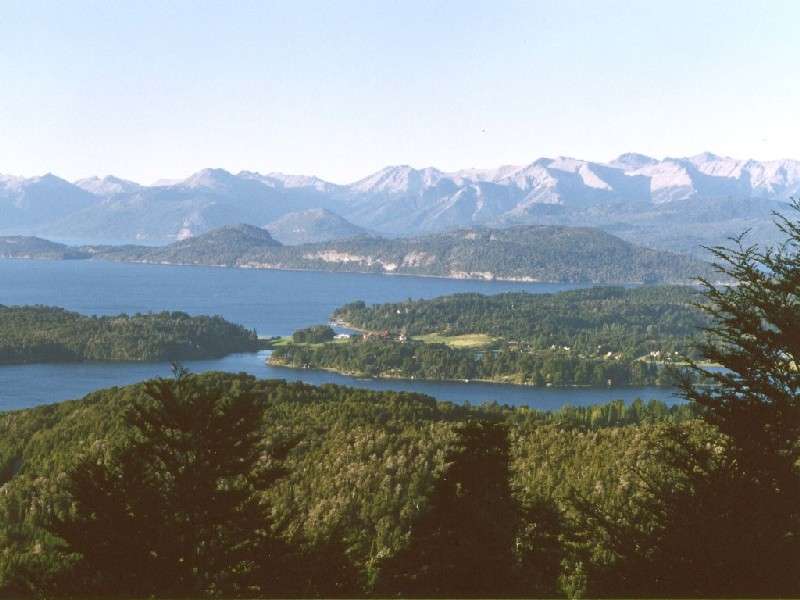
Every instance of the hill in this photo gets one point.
(17, 246)
(219, 247)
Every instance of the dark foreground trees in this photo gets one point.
(755, 404)
(462, 546)
(177, 509)
(716, 511)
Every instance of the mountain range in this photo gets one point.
(674, 203)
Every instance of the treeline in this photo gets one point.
(30, 334)
(595, 320)
(410, 359)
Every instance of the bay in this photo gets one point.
(271, 302)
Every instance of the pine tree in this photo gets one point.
(463, 545)
(715, 507)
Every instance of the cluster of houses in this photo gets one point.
(384, 335)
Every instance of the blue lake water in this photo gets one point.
(272, 302)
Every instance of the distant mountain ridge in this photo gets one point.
(311, 226)
(628, 196)
(520, 253)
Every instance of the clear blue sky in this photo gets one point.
(157, 89)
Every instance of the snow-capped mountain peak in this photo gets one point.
(107, 186)
(631, 161)
(283, 180)
(399, 179)
(209, 178)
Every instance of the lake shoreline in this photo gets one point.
(390, 377)
(460, 277)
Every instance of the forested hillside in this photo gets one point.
(355, 478)
(31, 334)
(523, 253)
(530, 253)
(18, 246)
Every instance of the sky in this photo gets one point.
(160, 89)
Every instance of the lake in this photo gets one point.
(271, 302)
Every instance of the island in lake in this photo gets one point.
(42, 334)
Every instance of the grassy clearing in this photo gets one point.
(287, 340)
(469, 340)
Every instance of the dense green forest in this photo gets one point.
(597, 336)
(31, 334)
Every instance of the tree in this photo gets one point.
(713, 509)
(755, 402)
(177, 509)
